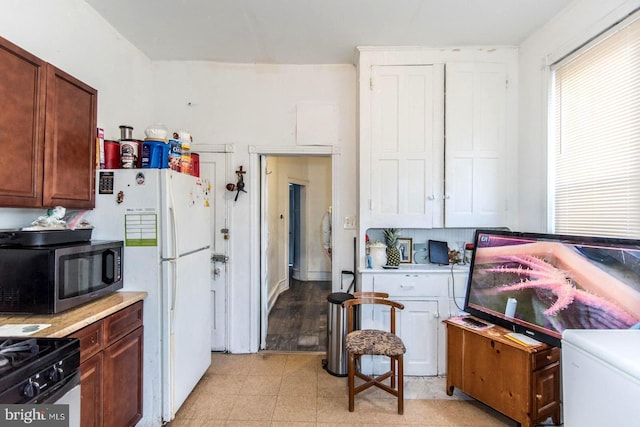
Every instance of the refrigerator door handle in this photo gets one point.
(174, 279)
(174, 224)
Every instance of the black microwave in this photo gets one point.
(51, 279)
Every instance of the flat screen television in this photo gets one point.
(542, 284)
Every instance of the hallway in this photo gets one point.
(298, 320)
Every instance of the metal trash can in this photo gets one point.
(336, 361)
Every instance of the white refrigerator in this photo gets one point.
(601, 377)
(163, 218)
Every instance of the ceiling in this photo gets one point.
(316, 31)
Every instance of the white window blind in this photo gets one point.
(596, 137)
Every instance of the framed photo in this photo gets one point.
(405, 246)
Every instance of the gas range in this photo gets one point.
(37, 370)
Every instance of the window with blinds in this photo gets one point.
(595, 133)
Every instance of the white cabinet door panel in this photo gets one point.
(475, 187)
(417, 326)
(406, 146)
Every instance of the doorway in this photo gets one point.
(297, 196)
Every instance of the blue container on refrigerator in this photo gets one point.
(155, 154)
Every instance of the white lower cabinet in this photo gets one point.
(427, 300)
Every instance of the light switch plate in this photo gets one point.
(349, 222)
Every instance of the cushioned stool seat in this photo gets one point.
(372, 341)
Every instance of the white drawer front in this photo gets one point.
(412, 285)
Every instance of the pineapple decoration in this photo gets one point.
(391, 239)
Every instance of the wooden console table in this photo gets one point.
(522, 382)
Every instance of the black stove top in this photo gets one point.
(30, 367)
(16, 352)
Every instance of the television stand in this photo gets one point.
(521, 382)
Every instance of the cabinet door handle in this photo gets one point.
(538, 396)
(407, 286)
(549, 357)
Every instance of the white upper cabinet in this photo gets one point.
(406, 151)
(437, 148)
(475, 148)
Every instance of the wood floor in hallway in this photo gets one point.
(298, 320)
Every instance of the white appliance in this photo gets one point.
(163, 218)
(601, 377)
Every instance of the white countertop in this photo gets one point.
(417, 268)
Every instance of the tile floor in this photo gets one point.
(280, 389)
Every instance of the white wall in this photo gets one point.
(249, 106)
(275, 252)
(319, 193)
(72, 36)
(580, 21)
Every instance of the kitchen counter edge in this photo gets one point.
(70, 321)
(417, 268)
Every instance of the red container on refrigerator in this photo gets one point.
(195, 164)
(111, 155)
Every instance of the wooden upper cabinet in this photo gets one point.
(22, 110)
(69, 165)
(48, 125)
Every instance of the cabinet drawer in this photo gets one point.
(121, 323)
(91, 340)
(412, 285)
(546, 357)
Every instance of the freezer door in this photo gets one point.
(185, 222)
(186, 334)
(127, 192)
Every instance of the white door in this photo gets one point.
(213, 169)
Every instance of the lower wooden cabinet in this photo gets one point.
(111, 369)
(91, 391)
(521, 382)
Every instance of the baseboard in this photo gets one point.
(313, 276)
(283, 285)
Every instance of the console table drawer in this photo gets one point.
(545, 358)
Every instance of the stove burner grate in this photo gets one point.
(15, 353)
